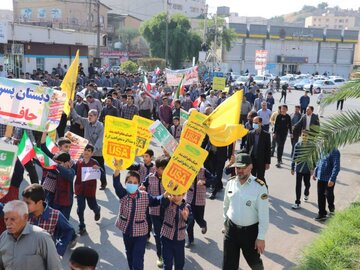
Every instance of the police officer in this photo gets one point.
(246, 213)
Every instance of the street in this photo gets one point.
(289, 232)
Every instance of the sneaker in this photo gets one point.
(82, 231)
(331, 212)
(103, 187)
(306, 198)
(278, 165)
(189, 244)
(320, 218)
(159, 262)
(296, 206)
(212, 196)
(204, 230)
(74, 241)
(97, 215)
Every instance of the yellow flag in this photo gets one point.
(69, 82)
(222, 125)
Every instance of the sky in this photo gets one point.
(262, 8)
(268, 9)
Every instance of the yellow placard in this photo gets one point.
(219, 83)
(143, 136)
(226, 89)
(194, 130)
(119, 141)
(183, 167)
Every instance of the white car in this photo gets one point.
(241, 79)
(339, 81)
(288, 80)
(261, 81)
(327, 85)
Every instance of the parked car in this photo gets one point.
(327, 85)
(338, 81)
(299, 84)
(241, 79)
(261, 81)
(287, 79)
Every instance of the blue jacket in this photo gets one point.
(328, 167)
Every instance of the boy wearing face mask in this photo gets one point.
(132, 216)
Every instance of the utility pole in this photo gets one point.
(166, 33)
(98, 28)
(215, 43)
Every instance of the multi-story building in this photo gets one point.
(64, 14)
(144, 9)
(293, 49)
(330, 21)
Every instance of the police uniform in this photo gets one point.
(246, 214)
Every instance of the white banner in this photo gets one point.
(173, 77)
(24, 105)
(88, 173)
(261, 59)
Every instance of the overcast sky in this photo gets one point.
(261, 8)
(272, 8)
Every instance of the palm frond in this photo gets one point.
(338, 131)
(350, 89)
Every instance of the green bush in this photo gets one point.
(129, 66)
(149, 64)
(338, 245)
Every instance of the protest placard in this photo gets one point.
(183, 167)
(119, 141)
(8, 154)
(163, 136)
(143, 136)
(77, 146)
(56, 109)
(219, 83)
(24, 105)
(194, 130)
(88, 173)
(184, 115)
(173, 77)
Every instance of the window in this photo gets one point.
(314, 19)
(40, 63)
(341, 20)
(178, 7)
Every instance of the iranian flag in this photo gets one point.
(146, 83)
(51, 145)
(26, 149)
(180, 89)
(45, 161)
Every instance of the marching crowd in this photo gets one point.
(145, 207)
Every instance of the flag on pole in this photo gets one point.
(146, 82)
(180, 89)
(26, 149)
(69, 82)
(51, 145)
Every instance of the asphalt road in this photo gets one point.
(289, 232)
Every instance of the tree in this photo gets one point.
(338, 131)
(224, 35)
(129, 66)
(181, 41)
(322, 5)
(126, 36)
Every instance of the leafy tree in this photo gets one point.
(322, 5)
(181, 41)
(150, 63)
(338, 131)
(126, 36)
(129, 66)
(224, 35)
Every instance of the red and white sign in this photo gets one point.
(261, 59)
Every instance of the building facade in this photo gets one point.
(78, 15)
(293, 49)
(330, 21)
(28, 48)
(144, 10)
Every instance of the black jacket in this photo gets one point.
(263, 151)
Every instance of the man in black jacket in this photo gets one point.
(307, 121)
(259, 148)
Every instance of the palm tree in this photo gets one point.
(338, 131)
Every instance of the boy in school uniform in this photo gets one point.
(49, 177)
(49, 219)
(132, 216)
(86, 190)
(152, 184)
(176, 128)
(176, 214)
(196, 198)
(144, 169)
(64, 192)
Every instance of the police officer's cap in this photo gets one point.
(242, 160)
